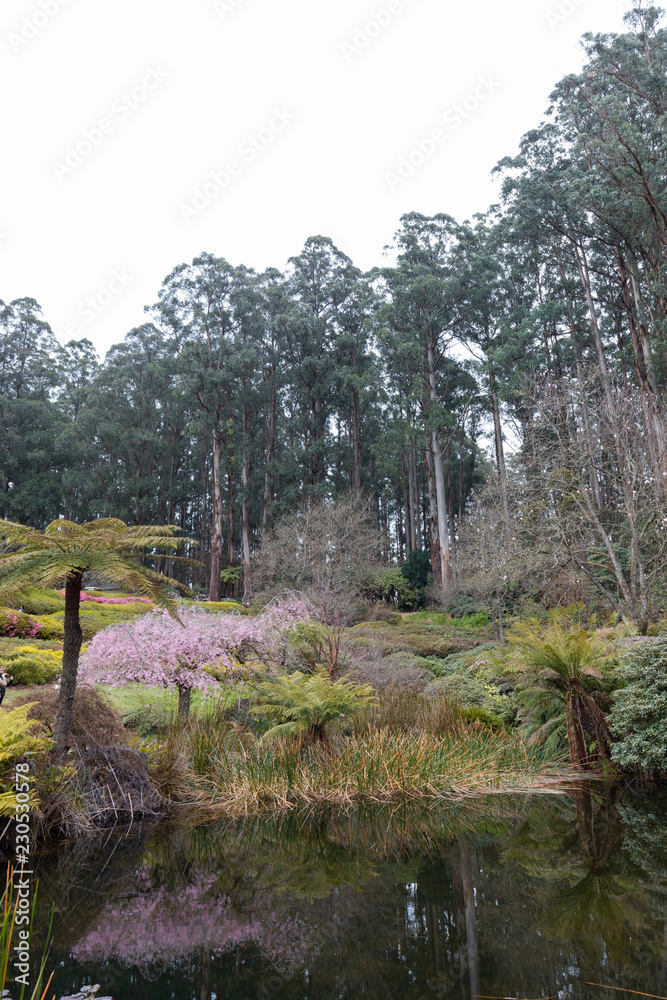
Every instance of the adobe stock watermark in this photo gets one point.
(22, 882)
(122, 108)
(565, 9)
(225, 7)
(91, 307)
(365, 33)
(34, 23)
(452, 120)
(219, 180)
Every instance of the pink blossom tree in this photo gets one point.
(159, 928)
(193, 652)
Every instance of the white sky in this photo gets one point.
(336, 121)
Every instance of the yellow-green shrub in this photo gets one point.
(52, 627)
(94, 617)
(17, 737)
(30, 665)
(217, 606)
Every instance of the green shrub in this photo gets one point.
(392, 586)
(465, 689)
(464, 658)
(218, 606)
(52, 627)
(433, 617)
(426, 644)
(304, 705)
(30, 665)
(478, 620)
(379, 613)
(41, 601)
(481, 715)
(93, 617)
(459, 605)
(638, 721)
(474, 692)
(30, 670)
(18, 736)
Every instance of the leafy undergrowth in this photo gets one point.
(240, 776)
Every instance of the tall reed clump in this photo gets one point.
(404, 711)
(8, 904)
(240, 775)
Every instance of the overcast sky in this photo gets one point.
(139, 133)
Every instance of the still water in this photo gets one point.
(530, 897)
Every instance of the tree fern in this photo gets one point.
(65, 551)
(559, 671)
(305, 704)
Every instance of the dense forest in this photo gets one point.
(539, 329)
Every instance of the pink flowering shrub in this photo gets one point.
(160, 928)
(192, 653)
(16, 625)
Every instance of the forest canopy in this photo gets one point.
(539, 326)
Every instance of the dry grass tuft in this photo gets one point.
(240, 777)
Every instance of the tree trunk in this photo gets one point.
(467, 868)
(71, 648)
(500, 450)
(216, 540)
(315, 735)
(270, 455)
(439, 476)
(584, 274)
(246, 527)
(231, 540)
(647, 381)
(433, 520)
(356, 435)
(443, 521)
(414, 500)
(407, 505)
(184, 694)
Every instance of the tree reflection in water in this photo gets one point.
(502, 896)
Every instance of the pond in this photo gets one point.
(525, 897)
